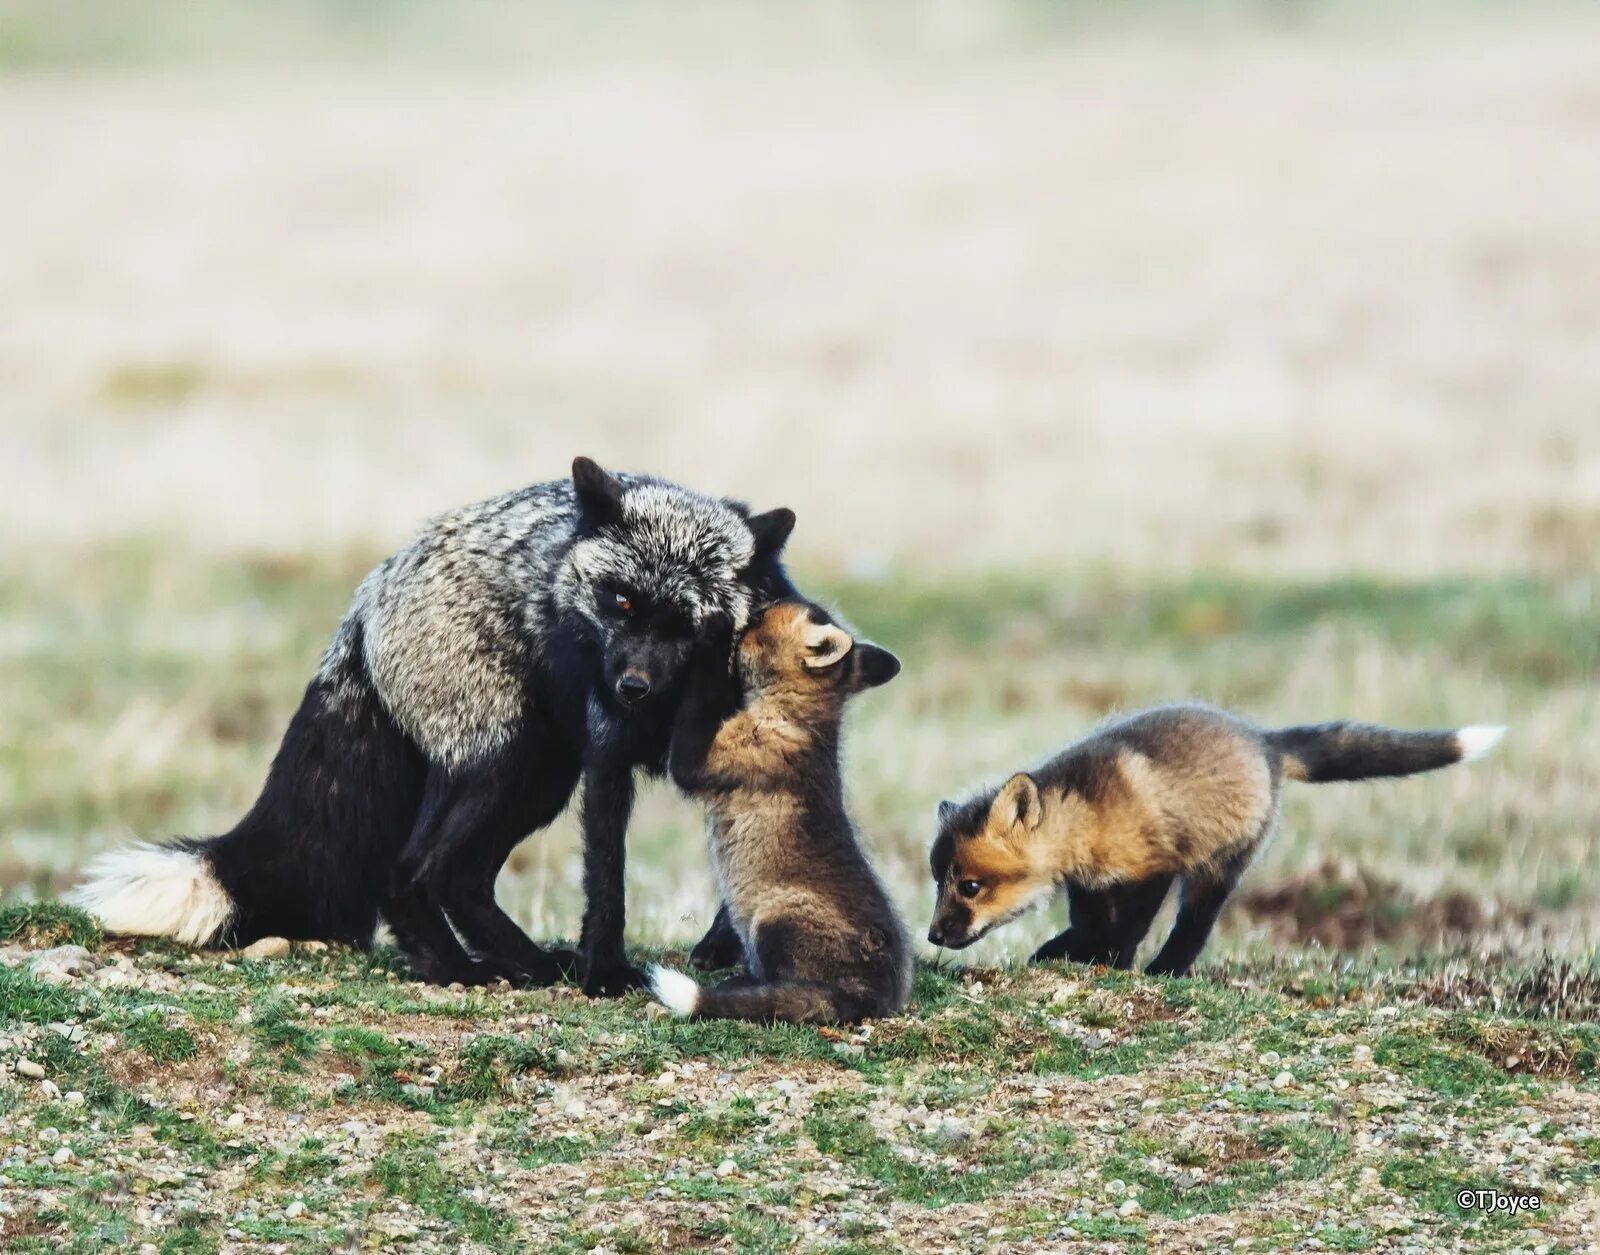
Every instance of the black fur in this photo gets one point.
(356, 821)
(338, 800)
(1363, 751)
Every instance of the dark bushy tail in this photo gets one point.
(310, 859)
(1363, 751)
(789, 1002)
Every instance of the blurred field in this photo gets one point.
(1250, 353)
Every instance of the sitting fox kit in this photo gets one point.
(818, 933)
(1185, 793)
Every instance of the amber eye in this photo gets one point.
(623, 604)
(969, 888)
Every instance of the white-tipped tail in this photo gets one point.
(1478, 739)
(155, 891)
(678, 993)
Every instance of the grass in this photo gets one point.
(1250, 377)
(150, 690)
(428, 1117)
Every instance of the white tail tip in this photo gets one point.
(678, 993)
(1478, 739)
(155, 891)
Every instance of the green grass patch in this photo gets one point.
(409, 1169)
(38, 925)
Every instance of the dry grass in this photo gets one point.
(1279, 292)
(968, 286)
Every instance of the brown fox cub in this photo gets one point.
(820, 938)
(1179, 792)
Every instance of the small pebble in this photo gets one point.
(28, 1068)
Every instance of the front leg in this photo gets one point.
(1087, 939)
(607, 804)
(711, 694)
(720, 947)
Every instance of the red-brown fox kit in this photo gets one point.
(819, 935)
(1186, 793)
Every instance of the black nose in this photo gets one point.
(935, 936)
(632, 688)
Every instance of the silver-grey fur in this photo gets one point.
(511, 649)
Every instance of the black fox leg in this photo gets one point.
(711, 695)
(1087, 939)
(426, 939)
(1133, 907)
(1201, 902)
(607, 803)
(530, 799)
(412, 906)
(720, 947)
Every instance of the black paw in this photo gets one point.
(1069, 945)
(715, 953)
(611, 979)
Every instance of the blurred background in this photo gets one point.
(1108, 353)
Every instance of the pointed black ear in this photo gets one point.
(947, 811)
(771, 531)
(599, 493)
(874, 666)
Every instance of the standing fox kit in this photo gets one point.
(820, 938)
(1186, 793)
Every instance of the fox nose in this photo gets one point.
(936, 935)
(632, 688)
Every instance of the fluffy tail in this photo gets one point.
(789, 1002)
(309, 860)
(157, 891)
(1364, 751)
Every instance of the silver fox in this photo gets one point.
(514, 647)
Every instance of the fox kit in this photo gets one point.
(822, 941)
(1180, 792)
(512, 647)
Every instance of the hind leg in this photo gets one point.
(720, 947)
(1201, 902)
(469, 856)
(467, 825)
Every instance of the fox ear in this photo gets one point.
(947, 811)
(874, 666)
(599, 493)
(771, 531)
(1017, 804)
(826, 644)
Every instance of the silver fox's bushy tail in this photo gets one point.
(156, 891)
(310, 858)
(1363, 751)
(788, 1002)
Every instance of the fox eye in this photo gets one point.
(969, 888)
(623, 602)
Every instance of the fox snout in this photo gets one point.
(951, 929)
(631, 687)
